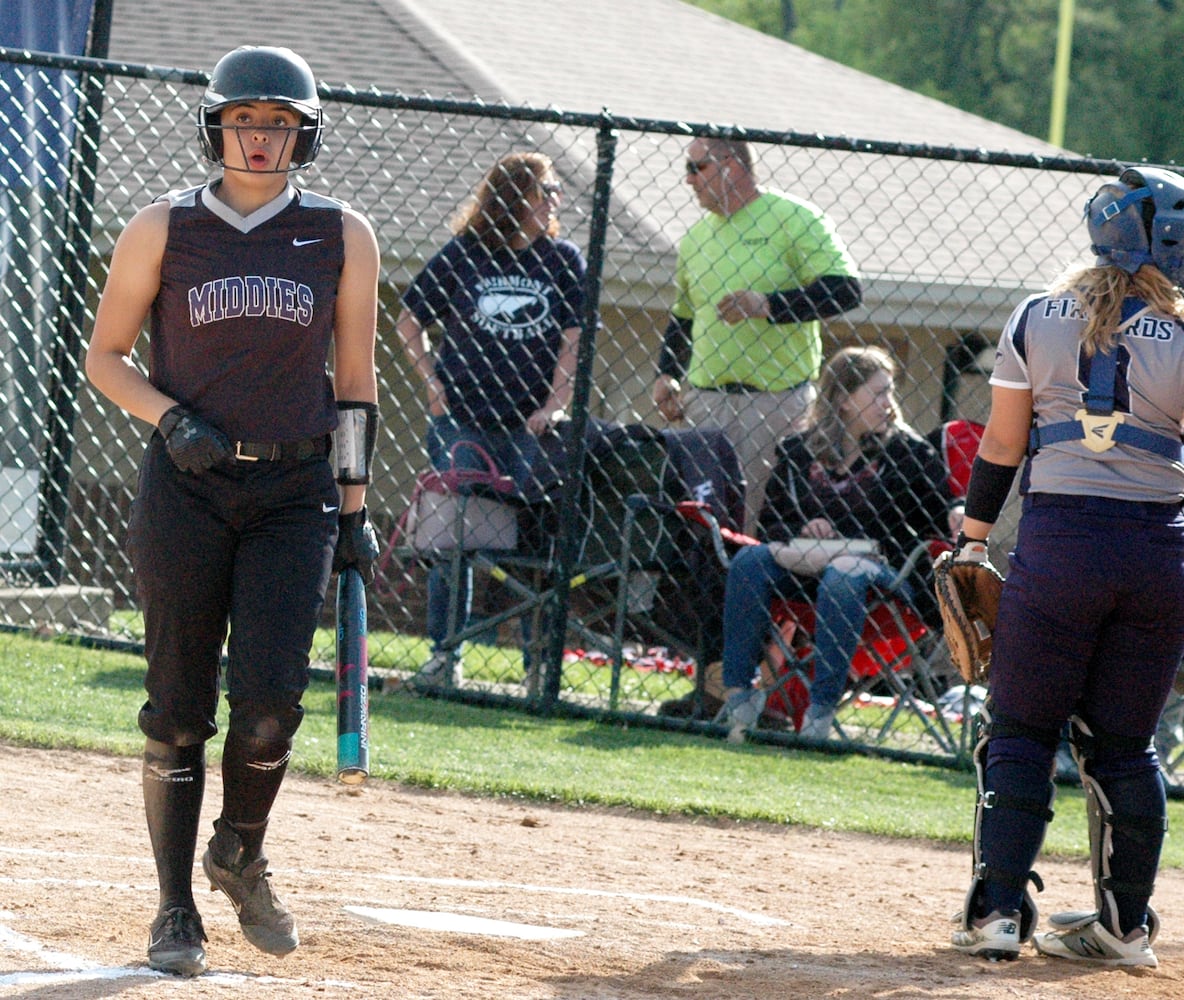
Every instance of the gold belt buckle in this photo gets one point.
(1098, 429)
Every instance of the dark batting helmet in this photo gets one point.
(1139, 220)
(261, 73)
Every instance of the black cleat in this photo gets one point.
(175, 942)
(265, 921)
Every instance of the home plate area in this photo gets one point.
(404, 893)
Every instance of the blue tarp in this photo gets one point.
(37, 105)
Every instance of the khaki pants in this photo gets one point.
(755, 423)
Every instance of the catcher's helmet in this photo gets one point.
(260, 73)
(1139, 220)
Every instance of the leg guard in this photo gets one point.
(981, 871)
(1103, 822)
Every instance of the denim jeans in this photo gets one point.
(517, 454)
(840, 609)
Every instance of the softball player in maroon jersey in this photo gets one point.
(250, 286)
(1089, 385)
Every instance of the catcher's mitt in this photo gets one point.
(968, 589)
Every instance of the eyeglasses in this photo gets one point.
(552, 191)
(698, 166)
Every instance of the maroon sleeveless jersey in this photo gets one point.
(243, 322)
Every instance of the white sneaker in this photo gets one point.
(443, 669)
(996, 937)
(742, 712)
(816, 723)
(1089, 941)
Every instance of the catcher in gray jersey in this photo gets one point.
(1088, 384)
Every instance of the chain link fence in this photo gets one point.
(946, 240)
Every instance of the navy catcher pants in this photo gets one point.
(1092, 616)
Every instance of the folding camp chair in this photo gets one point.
(684, 611)
(620, 460)
(894, 676)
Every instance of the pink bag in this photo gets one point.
(443, 515)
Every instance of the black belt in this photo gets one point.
(281, 451)
(735, 388)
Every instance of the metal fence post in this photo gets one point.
(606, 146)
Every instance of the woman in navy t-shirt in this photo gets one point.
(507, 297)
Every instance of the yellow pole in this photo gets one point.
(1060, 76)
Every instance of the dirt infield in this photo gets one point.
(411, 894)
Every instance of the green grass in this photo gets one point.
(57, 694)
(487, 664)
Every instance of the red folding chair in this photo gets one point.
(891, 677)
(894, 669)
(957, 442)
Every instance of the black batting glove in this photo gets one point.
(357, 545)
(193, 444)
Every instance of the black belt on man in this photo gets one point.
(736, 388)
(281, 451)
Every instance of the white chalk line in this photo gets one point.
(457, 923)
(759, 919)
(69, 968)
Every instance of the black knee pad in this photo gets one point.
(267, 723)
(171, 757)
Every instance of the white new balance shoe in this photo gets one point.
(742, 712)
(995, 937)
(1089, 941)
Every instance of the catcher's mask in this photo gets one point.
(260, 73)
(1139, 219)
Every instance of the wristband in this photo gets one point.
(989, 487)
(962, 539)
(354, 440)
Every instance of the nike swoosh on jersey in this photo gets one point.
(326, 509)
(304, 243)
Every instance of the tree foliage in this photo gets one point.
(995, 58)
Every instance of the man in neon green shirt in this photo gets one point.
(754, 278)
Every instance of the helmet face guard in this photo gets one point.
(262, 74)
(1167, 225)
(1139, 220)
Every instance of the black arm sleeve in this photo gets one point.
(828, 296)
(990, 485)
(676, 348)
